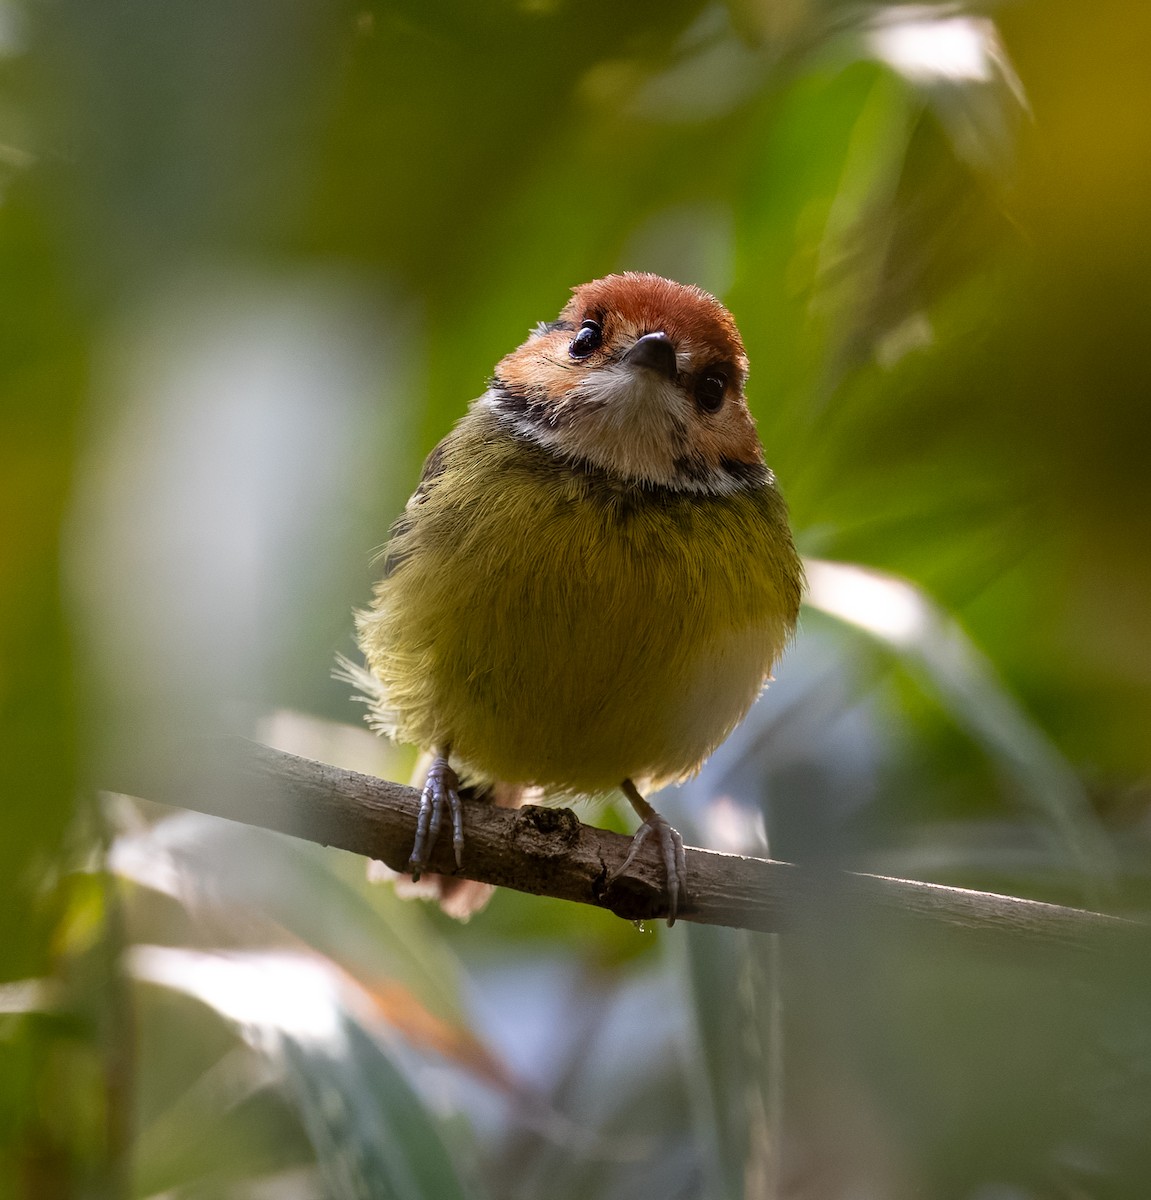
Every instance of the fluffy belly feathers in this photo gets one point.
(558, 634)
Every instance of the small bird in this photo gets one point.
(595, 576)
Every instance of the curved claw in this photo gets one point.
(671, 850)
(441, 791)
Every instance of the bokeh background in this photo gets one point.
(255, 259)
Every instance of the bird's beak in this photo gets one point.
(654, 351)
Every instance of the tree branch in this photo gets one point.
(550, 852)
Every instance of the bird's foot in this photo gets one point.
(441, 794)
(671, 850)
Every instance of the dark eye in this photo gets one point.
(587, 341)
(709, 391)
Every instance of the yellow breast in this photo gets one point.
(558, 627)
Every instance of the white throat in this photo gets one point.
(630, 421)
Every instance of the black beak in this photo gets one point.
(653, 350)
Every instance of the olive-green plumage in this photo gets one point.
(557, 625)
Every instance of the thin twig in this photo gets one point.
(550, 852)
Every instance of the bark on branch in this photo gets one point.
(550, 852)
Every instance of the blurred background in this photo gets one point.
(255, 259)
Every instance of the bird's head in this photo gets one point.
(641, 377)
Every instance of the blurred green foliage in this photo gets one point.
(254, 260)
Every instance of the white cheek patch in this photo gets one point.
(628, 396)
(630, 421)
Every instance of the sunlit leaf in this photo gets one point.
(371, 1134)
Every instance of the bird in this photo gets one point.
(595, 576)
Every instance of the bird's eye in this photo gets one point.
(587, 341)
(709, 391)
